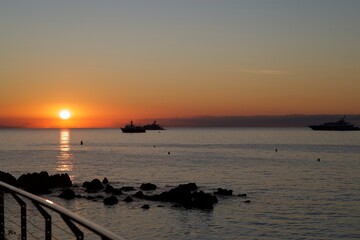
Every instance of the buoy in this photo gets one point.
(81, 142)
(168, 152)
(318, 159)
(275, 149)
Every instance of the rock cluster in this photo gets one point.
(37, 183)
(184, 195)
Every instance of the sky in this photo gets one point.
(112, 61)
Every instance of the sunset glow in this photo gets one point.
(181, 59)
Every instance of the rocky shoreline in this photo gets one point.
(186, 196)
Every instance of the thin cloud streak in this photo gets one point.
(263, 72)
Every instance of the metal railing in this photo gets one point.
(71, 220)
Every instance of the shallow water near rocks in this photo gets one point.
(292, 194)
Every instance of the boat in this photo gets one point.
(131, 128)
(340, 125)
(154, 126)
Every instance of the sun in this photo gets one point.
(65, 114)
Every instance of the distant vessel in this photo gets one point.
(340, 125)
(154, 126)
(131, 128)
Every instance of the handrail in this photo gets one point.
(66, 214)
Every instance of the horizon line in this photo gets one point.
(225, 121)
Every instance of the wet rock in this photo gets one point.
(145, 206)
(127, 189)
(148, 186)
(105, 181)
(188, 187)
(60, 180)
(36, 183)
(242, 195)
(110, 200)
(7, 178)
(128, 199)
(203, 200)
(93, 186)
(109, 189)
(180, 194)
(183, 195)
(85, 184)
(117, 191)
(223, 192)
(67, 194)
(139, 194)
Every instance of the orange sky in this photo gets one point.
(110, 63)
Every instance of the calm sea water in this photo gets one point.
(293, 195)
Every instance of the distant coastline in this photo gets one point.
(293, 120)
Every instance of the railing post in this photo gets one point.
(70, 218)
(23, 215)
(78, 233)
(47, 219)
(2, 217)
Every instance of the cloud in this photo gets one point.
(263, 72)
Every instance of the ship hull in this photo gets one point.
(333, 128)
(131, 128)
(135, 130)
(149, 127)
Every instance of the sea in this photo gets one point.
(302, 184)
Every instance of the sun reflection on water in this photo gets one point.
(65, 157)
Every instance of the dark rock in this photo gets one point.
(160, 205)
(145, 206)
(109, 189)
(85, 184)
(7, 178)
(139, 194)
(203, 200)
(185, 196)
(99, 197)
(105, 181)
(223, 192)
(148, 186)
(67, 194)
(128, 199)
(60, 180)
(188, 187)
(110, 200)
(242, 195)
(36, 183)
(117, 191)
(93, 186)
(127, 189)
(90, 197)
(180, 194)
(247, 201)
(79, 196)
